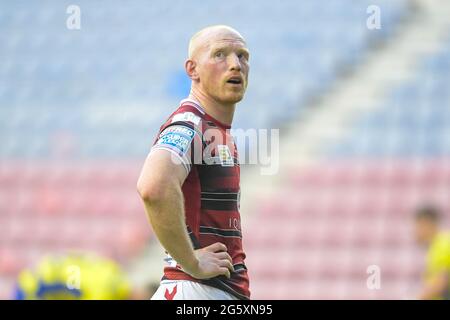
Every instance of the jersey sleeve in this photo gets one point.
(177, 139)
(181, 135)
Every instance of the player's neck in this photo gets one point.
(221, 112)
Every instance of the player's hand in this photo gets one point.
(213, 261)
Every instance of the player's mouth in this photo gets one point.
(236, 80)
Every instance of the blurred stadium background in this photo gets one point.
(364, 118)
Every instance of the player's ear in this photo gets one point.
(191, 69)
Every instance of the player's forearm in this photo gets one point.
(166, 215)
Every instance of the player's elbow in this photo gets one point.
(147, 192)
(152, 192)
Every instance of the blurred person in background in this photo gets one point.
(73, 276)
(429, 235)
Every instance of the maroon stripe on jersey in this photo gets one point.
(210, 183)
(220, 219)
(221, 189)
(219, 205)
(216, 171)
(221, 200)
(227, 233)
(220, 195)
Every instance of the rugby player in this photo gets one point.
(190, 182)
(428, 234)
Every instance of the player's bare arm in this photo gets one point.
(159, 186)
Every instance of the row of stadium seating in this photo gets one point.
(353, 208)
(84, 190)
(96, 96)
(363, 219)
(413, 121)
(50, 208)
(83, 85)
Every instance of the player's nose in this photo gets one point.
(234, 62)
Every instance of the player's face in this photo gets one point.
(224, 69)
(423, 229)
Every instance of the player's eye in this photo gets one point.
(242, 56)
(219, 54)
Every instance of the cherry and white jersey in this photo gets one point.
(211, 190)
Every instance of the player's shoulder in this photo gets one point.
(188, 113)
(181, 130)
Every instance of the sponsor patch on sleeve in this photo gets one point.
(176, 138)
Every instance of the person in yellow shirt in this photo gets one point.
(428, 234)
(73, 276)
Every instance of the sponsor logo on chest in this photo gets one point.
(225, 157)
